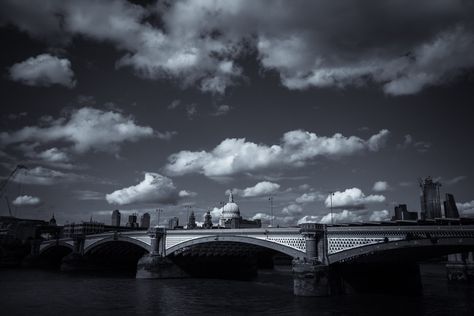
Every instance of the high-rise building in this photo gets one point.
(173, 223)
(132, 220)
(116, 218)
(450, 208)
(207, 220)
(429, 198)
(192, 221)
(402, 214)
(145, 220)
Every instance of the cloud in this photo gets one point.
(378, 216)
(26, 200)
(184, 194)
(191, 110)
(292, 209)
(309, 219)
(222, 110)
(310, 197)
(86, 129)
(466, 208)
(173, 105)
(296, 149)
(263, 188)
(455, 180)
(318, 44)
(352, 199)
(262, 216)
(381, 186)
(46, 176)
(154, 188)
(43, 70)
(216, 213)
(87, 195)
(342, 217)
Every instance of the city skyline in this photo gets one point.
(142, 105)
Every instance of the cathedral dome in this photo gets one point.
(231, 209)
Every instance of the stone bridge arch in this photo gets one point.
(95, 243)
(54, 245)
(267, 244)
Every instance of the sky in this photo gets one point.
(146, 105)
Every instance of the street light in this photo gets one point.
(331, 193)
(271, 208)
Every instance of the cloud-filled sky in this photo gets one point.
(140, 105)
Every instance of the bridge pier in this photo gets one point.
(312, 275)
(75, 261)
(156, 265)
(460, 267)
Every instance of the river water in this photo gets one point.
(37, 292)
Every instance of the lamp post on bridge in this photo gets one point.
(271, 210)
(331, 193)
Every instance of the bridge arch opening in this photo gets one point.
(52, 256)
(115, 255)
(228, 259)
(393, 267)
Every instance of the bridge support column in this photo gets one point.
(156, 265)
(460, 267)
(31, 260)
(312, 275)
(75, 261)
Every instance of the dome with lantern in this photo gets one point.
(230, 210)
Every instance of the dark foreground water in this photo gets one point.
(33, 292)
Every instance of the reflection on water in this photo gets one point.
(52, 293)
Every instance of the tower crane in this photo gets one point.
(4, 184)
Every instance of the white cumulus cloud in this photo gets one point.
(352, 198)
(292, 209)
(466, 208)
(260, 189)
(342, 217)
(26, 200)
(310, 197)
(381, 186)
(154, 188)
(297, 148)
(44, 70)
(185, 193)
(86, 129)
(378, 216)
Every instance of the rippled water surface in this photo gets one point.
(32, 292)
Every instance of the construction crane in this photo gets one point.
(3, 186)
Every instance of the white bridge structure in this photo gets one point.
(329, 244)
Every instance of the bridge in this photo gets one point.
(317, 250)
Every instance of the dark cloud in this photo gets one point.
(404, 46)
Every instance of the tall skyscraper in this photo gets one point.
(173, 223)
(132, 220)
(145, 221)
(402, 214)
(450, 208)
(207, 220)
(116, 218)
(192, 221)
(430, 200)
